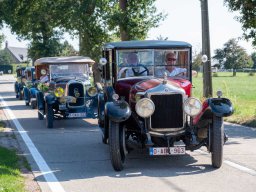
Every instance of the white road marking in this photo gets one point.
(240, 167)
(232, 164)
(48, 174)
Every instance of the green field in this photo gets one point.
(241, 90)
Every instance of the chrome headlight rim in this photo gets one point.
(188, 105)
(92, 91)
(139, 107)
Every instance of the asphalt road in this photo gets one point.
(72, 158)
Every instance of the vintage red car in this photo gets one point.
(147, 99)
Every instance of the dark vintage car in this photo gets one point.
(149, 106)
(30, 82)
(20, 82)
(68, 93)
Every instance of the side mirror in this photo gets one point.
(103, 61)
(204, 58)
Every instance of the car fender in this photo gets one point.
(40, 100)
(16, 87)
(117, 111)
(101, 106)
(221, 107)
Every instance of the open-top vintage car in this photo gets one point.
(65, 91)
(147, 100)
(19, 83)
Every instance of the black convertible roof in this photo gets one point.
(147, 44)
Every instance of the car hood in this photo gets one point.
(178, 85)
(129, 87)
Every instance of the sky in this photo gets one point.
(183, 23)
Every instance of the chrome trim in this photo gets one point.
(167, 134)
(76, 82)
(167, 89)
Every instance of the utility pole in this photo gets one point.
(207, 76)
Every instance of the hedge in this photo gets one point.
(12, 67)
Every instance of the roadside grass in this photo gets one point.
(10, 175)
(10, 178)
(241, 90)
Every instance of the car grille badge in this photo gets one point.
(76, 93)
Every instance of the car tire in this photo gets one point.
(40, 116)
(49, 116)
(217, 141)
(20, 96)
(116, 145)
(33, 104)
(105, 136)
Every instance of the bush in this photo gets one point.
(251, 73)
(215, 74)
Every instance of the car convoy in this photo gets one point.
(144, 99)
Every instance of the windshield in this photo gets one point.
(153, 62)
(75, 71)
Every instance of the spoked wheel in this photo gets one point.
(33, 104)
(217, 141)
(40, 116)
(117, 145)
(49, 116)
(105, 136)
(20, 96)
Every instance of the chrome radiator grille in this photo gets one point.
(168, 111)
(76, 90)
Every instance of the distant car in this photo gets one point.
(20, 82)
(154, 108)
(30, 84)
(68, 94)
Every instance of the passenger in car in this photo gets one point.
(44, 76)
(170, 68)
(132, 68)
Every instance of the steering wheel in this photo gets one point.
(143, 71)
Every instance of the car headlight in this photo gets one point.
(92, 91)
(192, 106)
(59, 92)
(145, 107)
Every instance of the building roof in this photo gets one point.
(20, 54)
(147, 44)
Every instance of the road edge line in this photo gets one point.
(48, 174)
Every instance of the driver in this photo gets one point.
(170, 68)
(133, 68)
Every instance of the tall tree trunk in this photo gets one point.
(234, 72)
(123, 32)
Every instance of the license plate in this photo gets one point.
(72, 115)
(177, 150)
(62, 107)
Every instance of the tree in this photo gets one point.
(133, 19)
(67, 49)
(247, 10)
(30, 20)
(38, 49)
(233, 56)
(1, 39)
(219, 56)
(253, 56)
(94, 21)
(197, 61)
(5, 58)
